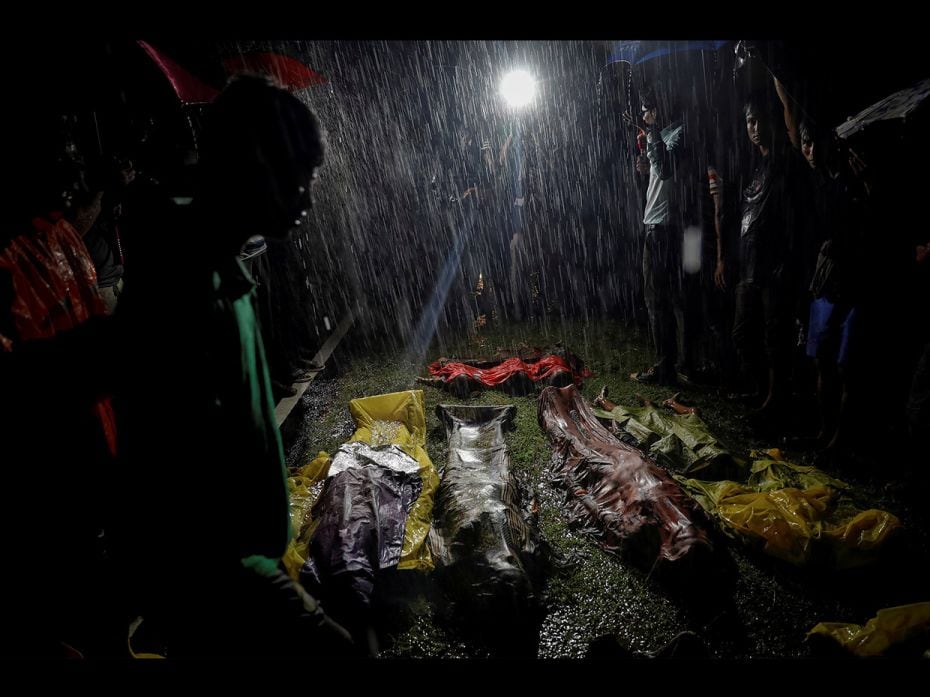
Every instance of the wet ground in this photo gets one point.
(598, 605)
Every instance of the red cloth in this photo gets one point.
(491, 377)
(55, 289)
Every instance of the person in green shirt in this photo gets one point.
(209, 500)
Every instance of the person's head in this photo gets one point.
(758, 123)
(822, 149)
(809, 142)
(259, 153)
(649, 103)
(50, 173)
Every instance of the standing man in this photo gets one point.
(662, 269)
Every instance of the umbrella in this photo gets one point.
(286, 71)
(637, 52)
(189, 88)
(897, 107)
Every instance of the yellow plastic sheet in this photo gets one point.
(797, 513)
(399, 419)
(303, 492)
(893, 625)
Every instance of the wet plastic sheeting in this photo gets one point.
(890, 628)
(54, 279)
(681, 442)
(627, 501)
(399, 418)
(491, 546)
(304, 489)
(360, 521)
(799, 514)
(514, 375)
(54, 287)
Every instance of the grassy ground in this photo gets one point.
(590, 593)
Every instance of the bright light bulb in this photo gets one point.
(518, 88)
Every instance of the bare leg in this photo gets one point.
(839, 431)
(770, 403)
(602, 401)
(673, 404)
(821, 402)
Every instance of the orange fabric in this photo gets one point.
(54, 289)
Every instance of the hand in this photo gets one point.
(744, 51)
(720, 279)
(856, 163)
(642, 164)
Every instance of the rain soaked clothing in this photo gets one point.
(663, 281)
(830, 331)
(659, 193)
(668, 194)
(766, 294)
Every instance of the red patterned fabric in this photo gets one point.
(541, 369)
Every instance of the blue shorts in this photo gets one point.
(829, 331)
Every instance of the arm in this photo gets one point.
(791, 117)
(641, 164)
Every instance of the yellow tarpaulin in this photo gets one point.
(893, 625)
(399, 419)
(304, 489)
(796, 512)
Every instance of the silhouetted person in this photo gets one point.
(209, 498)
(837, 219)
(57, 436)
